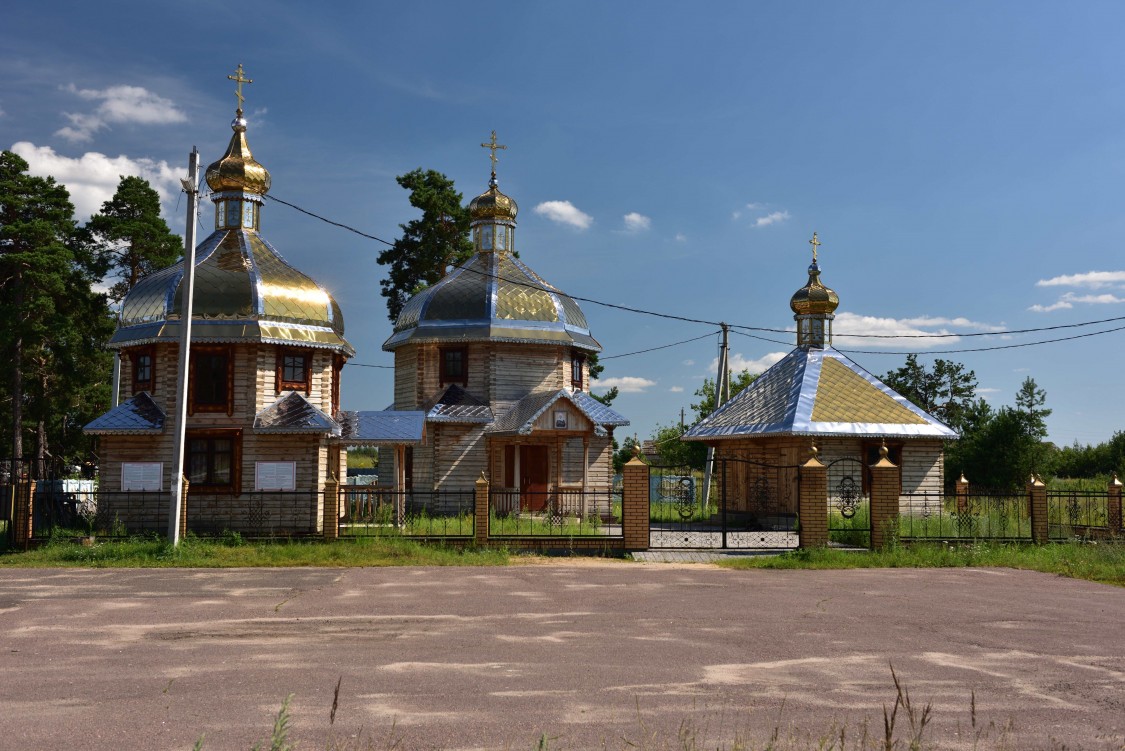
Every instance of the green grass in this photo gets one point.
(198, 553)
(1094, 562)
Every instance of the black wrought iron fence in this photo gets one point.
(555, 513)
(1077, 514)
(994, 515)
(372, 511)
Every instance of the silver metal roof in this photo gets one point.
(244, 291)
(292, 414)
(364, 428)
(818, 392)
(493, 297)
(139, 415)
(520, 419)
(455, 405)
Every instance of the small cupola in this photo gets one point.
(814, 306)
(493, 214)
(239, 183)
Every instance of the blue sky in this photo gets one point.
(962, 162)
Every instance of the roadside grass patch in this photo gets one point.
(1079, 560)
(231, 551)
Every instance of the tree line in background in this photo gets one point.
(57, 318)
(998, 447)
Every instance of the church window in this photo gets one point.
(454, 365)
(337, 367)
(294, 371)
(211, 380)
(144, 371)
(248, 210)
(212, 460)
(576, 366)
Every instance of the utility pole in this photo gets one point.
(722, 394)
(189, 184)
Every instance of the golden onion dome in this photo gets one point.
(814, 297)
(492, 204)
(237, 169)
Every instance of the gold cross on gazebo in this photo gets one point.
(492, 147)
(815, 243)
(239, 79)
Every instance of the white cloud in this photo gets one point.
(680, 237)
(755, 206)
(564, 212)
(738, 363)
(635, 222)
(625, 384)
(920, 330)
(676, 389)
(985, 390)
(118, 104)
(1068, 300)
(1091, 279)
(772, 218)
(92, 178)
(688, 363)
(1060, 305)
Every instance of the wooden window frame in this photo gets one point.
(194, 407)
(149, 384)
(444, 376)
(234, 435)
(338, 363)
(280, 382)
(577, 367)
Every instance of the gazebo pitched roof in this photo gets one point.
(818, 392)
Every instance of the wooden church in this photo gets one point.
(817, 396)
(264, 428)
(497, 359)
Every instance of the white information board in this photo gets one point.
(147, 476)
(275, 475)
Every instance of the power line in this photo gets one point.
(653, 349)
(686, 319)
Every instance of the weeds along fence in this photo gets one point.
(117, 515)
(1078, 514)
(555, 513)
(372, 511)
(982, 514)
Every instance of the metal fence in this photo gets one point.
(372, 511)
(555, 513)
(989, 515)
(1079, 514)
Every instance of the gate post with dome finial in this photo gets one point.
(812, 501)
(883, 504)
(635, 502)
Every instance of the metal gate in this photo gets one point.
(849, 504)
(749, 505)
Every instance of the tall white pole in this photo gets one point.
(188, 287)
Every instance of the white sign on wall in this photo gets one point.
(147, 476)
(275, 475)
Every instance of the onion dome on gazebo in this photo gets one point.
(244, 290)
(814, 306)
(494, 296)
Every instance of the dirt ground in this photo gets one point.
(594, 654)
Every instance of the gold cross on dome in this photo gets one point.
(815, 243)
(492, 147)
(239, 79)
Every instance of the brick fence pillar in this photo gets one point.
(1113, 507)
(635, 504)
(1037, 502)
(812, 502)
(330, 520)
(480, 511)
(22, 507)
(884, 499)
(961, 488)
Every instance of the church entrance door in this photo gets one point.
(533, 477)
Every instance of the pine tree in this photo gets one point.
(428, 246)
(54, 324)
(132, 236)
